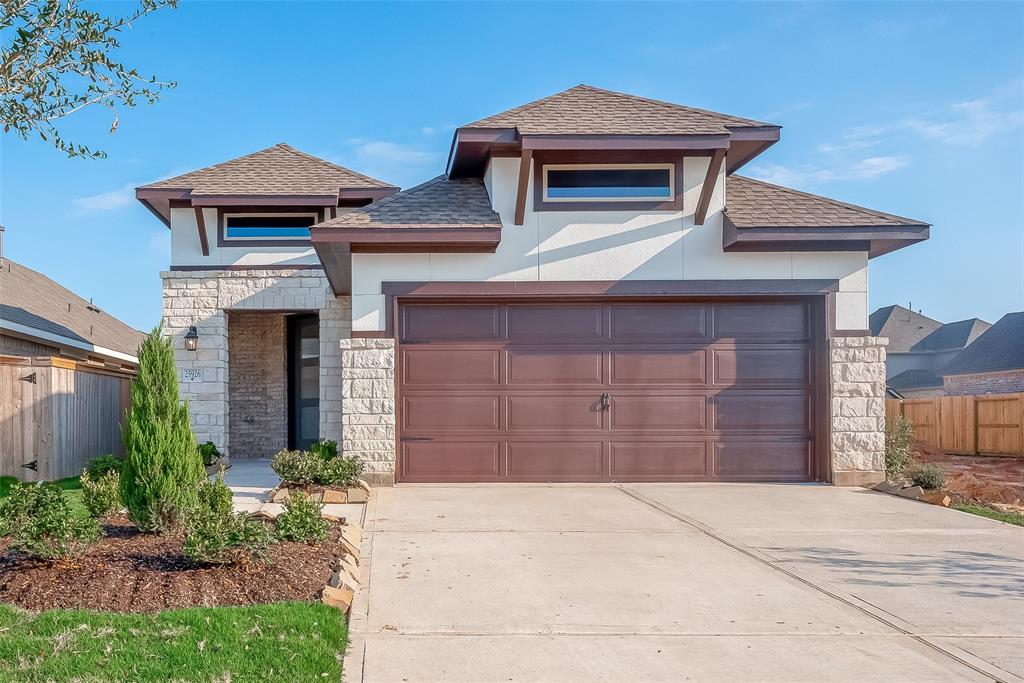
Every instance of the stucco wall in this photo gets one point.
(608, 245)
(186, 249)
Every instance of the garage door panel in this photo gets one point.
(450, 460)
(426, 367)
(456, 321)
(444, 412)
(653, 412)
(539, 323)
(555, 460)
(769, 412)
(668, 322)
(654, 459)
(744, 460)
(665, 365)
(770, 367)
(557, 366)
(547, 411)
(760, 322)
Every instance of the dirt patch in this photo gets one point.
(128, 571)
(978, 478)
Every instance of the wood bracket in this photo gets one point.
(201, 226)
(709, 186)
(524, 183)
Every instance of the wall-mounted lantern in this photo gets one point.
(191, 339)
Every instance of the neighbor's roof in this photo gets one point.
(953, 335)
(277, 170)
(1000, 348)
(756, 204)
(586, 110)
(902, 326)
(915, 379)
(439, 203)
(33, 300)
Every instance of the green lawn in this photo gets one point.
(998, 515)
(288, 641)
(72, 491)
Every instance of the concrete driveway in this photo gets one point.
(678, 582)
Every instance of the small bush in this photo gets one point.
(214, 496)
(928, 476)
(301, 520)
(292, 466)
(899, 437)
(209, 452)
(101, 495)
(40, 523)
(340, 471)
(216, 535)
(325, 448)
(297, 468)
(100, 466)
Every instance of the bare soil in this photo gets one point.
(129, 571)
(987, 479)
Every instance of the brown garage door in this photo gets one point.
(605, 391)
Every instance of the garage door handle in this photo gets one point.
(606, 402)
(417, 438)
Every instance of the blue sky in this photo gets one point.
(916, 109)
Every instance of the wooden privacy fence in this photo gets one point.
(57, 414)
(989, 424)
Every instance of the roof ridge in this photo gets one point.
(835, 202)
(311, 157)
(672, 105)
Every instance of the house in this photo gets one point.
(65, 373)
(919, 347)
(993, 364)
(589, 291)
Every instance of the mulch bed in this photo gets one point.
(129, 571)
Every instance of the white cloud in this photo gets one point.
(106, 201)
(392, 162)
(427, 130)
(868, 168)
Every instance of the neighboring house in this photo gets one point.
(65, 373)
(993, 364)
(589, 292)
(919, 347)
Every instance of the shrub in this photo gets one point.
(928, 476)
(325, 448)
(214, 496)
(308, 467)
(209, 453)
(216, 535)
(101, 495)
(40, 523)
(292, 467)
(899, 437)
(339, 471)
(97, 467)
(301, 520)
(162, 464)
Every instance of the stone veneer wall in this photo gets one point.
(858, 409)
(1005, 382)
(368, 389)
(257, 383)
(203, 298)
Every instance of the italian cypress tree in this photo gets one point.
(162, 465)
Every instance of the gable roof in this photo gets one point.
(902, 326)
(953, 335)
(756, 204)
(442, 203)
(915, 379)
(586, 110)
(999, 348)
(29, 299)
(277, 170)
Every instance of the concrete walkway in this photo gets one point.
(252, 481)
(706, 582)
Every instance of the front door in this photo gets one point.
(303, 381)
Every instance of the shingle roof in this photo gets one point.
(902, 326)
(756, 204)
(1000, 348)
(586, 110)
(34, 300)
(915, 379)
(439, 203)
(277, 170)
(953, 335)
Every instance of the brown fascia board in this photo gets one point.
(627, 142)
(874, 239)
(404, 239)
(747, 143)
(264, 200)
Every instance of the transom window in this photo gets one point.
(608, 183)
(250, 226)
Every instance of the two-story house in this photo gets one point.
(588, 292)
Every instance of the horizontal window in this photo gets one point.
(625, 183)
(249, 226)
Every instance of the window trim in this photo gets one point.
(670, 167)
(223, 240)
(606, 158)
